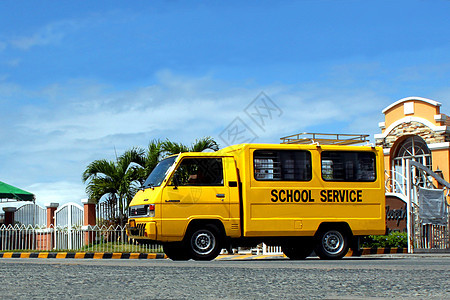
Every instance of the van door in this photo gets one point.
(196, 190)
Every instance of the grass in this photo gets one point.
(100, 247)
(119, 247)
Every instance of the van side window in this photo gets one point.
(199, 171)
(282, 165)
(350, 166)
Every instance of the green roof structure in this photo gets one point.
(9, 192)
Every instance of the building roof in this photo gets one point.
(10, 192)
(432, 102)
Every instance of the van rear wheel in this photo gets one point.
(205, 242)
(332, 244)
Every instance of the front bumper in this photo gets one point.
(146, 230)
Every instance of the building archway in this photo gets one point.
(411, 147)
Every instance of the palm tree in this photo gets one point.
(206, 143)
(118, 181)
(115, 181)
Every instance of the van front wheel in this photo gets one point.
(332, 244)
(205, 242)
(176, 251)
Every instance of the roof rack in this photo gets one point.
(325, 138)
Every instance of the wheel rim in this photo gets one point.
(333, 242)
(203, 242)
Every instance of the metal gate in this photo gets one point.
(31, 214)
(68, 222)
(428, 218)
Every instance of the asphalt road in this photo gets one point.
(384, 276)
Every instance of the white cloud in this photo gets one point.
(57, 192)
(52, 141)
(50, 34)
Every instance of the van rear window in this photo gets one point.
(282, 165)
(352, 166)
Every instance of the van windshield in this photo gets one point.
(158, 174)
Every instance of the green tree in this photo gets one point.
(116, 181)
(148, 159)
(206, 143)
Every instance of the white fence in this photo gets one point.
(84, 238)
(87, 239)
(30, 232)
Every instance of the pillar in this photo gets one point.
(9, 215)
(89, 220)
(51, 208)
(45, 240)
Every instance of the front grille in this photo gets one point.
(141, 228)
(138, 230)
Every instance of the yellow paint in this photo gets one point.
(25, 255)
(7, 255)
(61, 255)
(79, 255)
(237, 257)
(98, 255)
(116, 255)
(43, 255)
(149, 256)
(259, 257)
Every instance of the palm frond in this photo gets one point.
(170, 147)
(99, 168)
(203, 144)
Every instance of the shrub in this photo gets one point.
(393, 239)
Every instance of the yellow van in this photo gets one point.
(300, 197)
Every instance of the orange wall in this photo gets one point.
(440, 159)
(421, 109)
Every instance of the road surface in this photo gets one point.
(380, 276)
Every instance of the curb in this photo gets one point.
(369, 251)
(83, 255)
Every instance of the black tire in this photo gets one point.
(204, 243)
(332, 244)
(176, 251)
(297, 252)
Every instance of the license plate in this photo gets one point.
(132, 223)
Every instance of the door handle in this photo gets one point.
(220, 195)
(172, 201)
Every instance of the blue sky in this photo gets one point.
(82, 80)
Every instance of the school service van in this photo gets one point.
(300, 197)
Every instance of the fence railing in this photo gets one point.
(83, 238)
